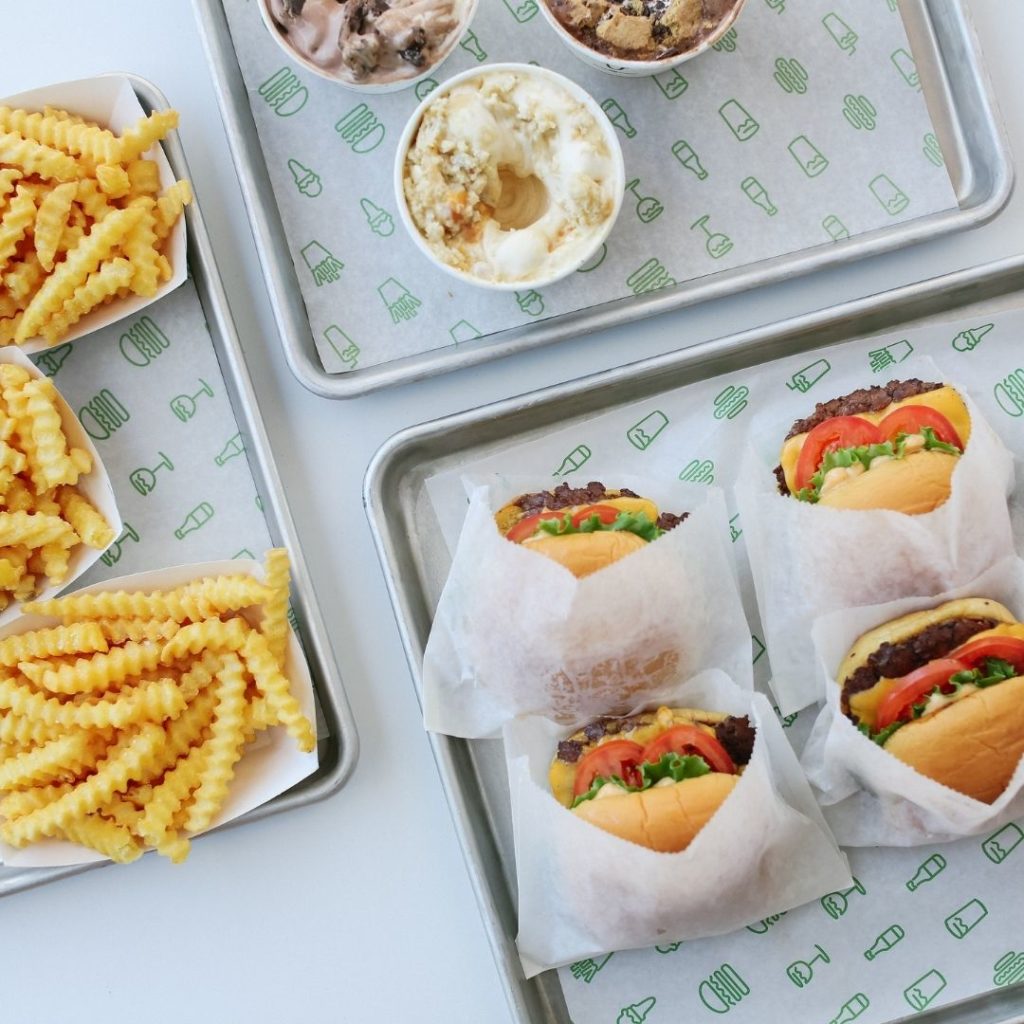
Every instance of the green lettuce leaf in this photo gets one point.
(676, 767)
(630, 522)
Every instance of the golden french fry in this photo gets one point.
(113, 180)
(98, 286)
(272, 684)
(98, 672)
(23, 279)
(274, 625)
(107, 837)
(33, 158)
(117, 631)
(81, 638)
(51, 219)
(84, 519)
(17, 220)
(34, 529)
(145, 133)
(170, 205)
(144, 177)
(140, 248)
(61, 131)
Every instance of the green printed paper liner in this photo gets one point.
(584, 892)
(94, 485)
(268, 767)
(870, 797)
(516, 633)
(808, 560)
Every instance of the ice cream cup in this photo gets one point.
(635, 68)
(607, 131)
(465, 8)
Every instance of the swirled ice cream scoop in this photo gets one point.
(512, 176)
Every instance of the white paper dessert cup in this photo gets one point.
(610, 139)
(468, 12)
(634, 68)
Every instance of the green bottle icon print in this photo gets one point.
(851, 1009)
(637, 1012)
(522, 10)
(922, 993)
(687, 156)
(574, 461)
(143, 342)
(113, 554)
(836, 904)
(791, 75)
(400, 302)
(843, 36)
(962, 922)
(195, 520)
(969, 340)
(698, 471)
(53, 359)
(643, 434)
(1009, 969)
(531, 302)
(1009, 393)
(649, 277)
(886, 940)
(881, 358)
(360, 129)
(185, 406)
(762, 926)
(860, 112)
(929, 870)
(595, 261)
(471, 44)
(103, 415)
(234, 447)
(306, 181)
(144, 479)
(344, 347)
(835, 228)
(671, 83)
(801, 972)
(425, 88)
(322, 263)
(811, 159)
(463, 331)
(1001, 844)
(284, 93)
(932, 150)
(907, 68)
(380, 221)
(734, 531)
(892, 198)
(731, 401)
(618, 117)
(723, 989)
(586, 970)
(728, 42)
(757, 647)
(805, 379)
(740, 121)
(648, 208)
(758, 195)
(716, 243)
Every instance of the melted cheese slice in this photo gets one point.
(945, 400)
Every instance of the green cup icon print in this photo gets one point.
(892, 198)
(186, 406)
(791, 75)
(360, 129)
(306, 181)
(728, 42)
(471, 44)
(962, 922)
(723, 989)
(586, 970)
(762, 926)
(103, 415)
(344, 347)
(881, 358)
(113, 554)
(636, 1013)
(1001, 844)
(618, 117)
(144, 479)
(810, 159)
(574, 461)
(844, 36)
(805, 379)
(801, 972)
(322, 263)
(716, 243)
(522, 10)
(932, 150)
(284, 93)
(892, 935)
(731, 401)
(643, 434)
(740, 121)
(234, 447)
(143, 342)
(463, 331)
(687, 156)
(1009, 393)
(835, 228)
(52, 360)
(195, 520)
(649, 277)
(380, 221)
(907, 68)
(400, 302)
(860, 112)
(671, 83)
(1009, 969)
(851, 1009)
(929, 870)
(425, 88)
(836, 904)
(698, 471)
(970, 339)
(921, 993)
(648, 208)
(758, 195)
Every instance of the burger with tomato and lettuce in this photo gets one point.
(584, 528)
(655, 778)
(884, 447)
(943, 690)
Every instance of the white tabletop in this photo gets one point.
(358, 908)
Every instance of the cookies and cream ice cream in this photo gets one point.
(511, 177)
(370, 41)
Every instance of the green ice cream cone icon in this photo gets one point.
(530, 302)
(844, 36)
(306, 181)
(380, 221)
(323, 265)
(637, 1013)
(50, 362)
(969, 340)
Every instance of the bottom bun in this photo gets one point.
(972, 746)
(585, 553)
(913, 485)
(666, 819)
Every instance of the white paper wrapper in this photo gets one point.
(808, 560)
(516, 633)
(95, 485)
(871, 798)
(268, 767)
(110, 101)
(583, 892)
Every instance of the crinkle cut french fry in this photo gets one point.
(140, 248)
(99, 672)
(62, 131)
(170, 205)
(274, 626)
(16, 223)
(166, 799)
(24, 801)
(24, 278)
(106, 837)
(33, 158)
(9, 177)
(113, 180)
(145, 133)
(99, 286)
(51, 463)
(80, 638)
(33, 529)
(117, 631)
(144, 177)
(84, 518)
(272, 684)
(51, 219)
(60, 760)
(208, 635)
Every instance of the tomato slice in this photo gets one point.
(911, 419)
(688, 739)
(1008, 648)
(838, 432)
(528, 527)
(912, 687)
(606, 513)
(616, 757)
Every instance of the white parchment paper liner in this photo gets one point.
(110, 101)
(583, 891)
(268, 766)
(808, 560)
(95, 485)
(870, 797)
(516, 633)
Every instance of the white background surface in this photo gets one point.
(357, 909)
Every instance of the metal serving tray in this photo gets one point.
(405, 530)
(959, 99)
(338, 746)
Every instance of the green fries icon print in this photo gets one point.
(643, 434)
(891, 197)
(671, 83)
(400, 302)
(811, 159)
(962, 922)
(323, 265)
(844, 36)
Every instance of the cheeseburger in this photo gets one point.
(584, 528)
(655, 778)
(943, 690)
(893, 447)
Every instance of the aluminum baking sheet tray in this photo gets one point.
(959, 101)
(415, 562)
(118, 355)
